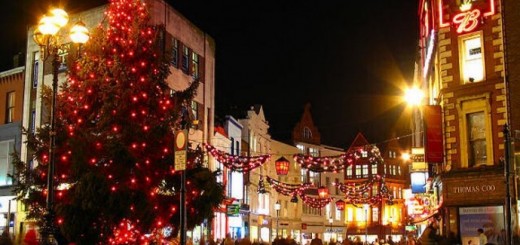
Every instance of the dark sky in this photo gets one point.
(349, 59)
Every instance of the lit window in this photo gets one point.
(195, 111)
(472, 59)
(6, 162)
(301, 148)
(364, 154)
(375, 214)
(314, 152)
(9, 114)
(374, 169)
(365, 171)
(195, 65)
(477, 154)
(358, 171)
(349, 171)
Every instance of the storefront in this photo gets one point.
(474, 200)
(260, 227)
(7, 209)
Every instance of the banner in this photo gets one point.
(433, 133)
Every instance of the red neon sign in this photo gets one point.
(442, 23)
(467, 21)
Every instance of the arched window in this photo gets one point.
(307, 133)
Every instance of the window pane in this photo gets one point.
(477, 154)
(473, 65)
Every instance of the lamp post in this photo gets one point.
(330, 224)
(390, 219)
(365, 207)
(277, 207)
(46, 35)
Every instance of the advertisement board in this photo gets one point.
(488, 218)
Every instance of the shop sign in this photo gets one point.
(464, 191)
(233, 210)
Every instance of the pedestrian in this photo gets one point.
(245, 241)
(316, 240)
(228, 240)
(289, 241)
(482, 238)
(429, 235)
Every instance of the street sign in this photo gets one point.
(180, 149)
(233, 210)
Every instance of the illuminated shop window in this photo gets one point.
(472, 58)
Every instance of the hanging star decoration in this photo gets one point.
(340, 162)
(237, 163)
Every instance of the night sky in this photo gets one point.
(349, 59)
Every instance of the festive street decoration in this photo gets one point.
(340, 205)
(114, 137)
(261, 186)
(339, 162)
(237, 163)
(315, 202)
(361, 193)
(282, 166)
(287, 189)
(323, 192)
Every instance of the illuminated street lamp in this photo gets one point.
(414, 96)
(46, 35)
(277, 207)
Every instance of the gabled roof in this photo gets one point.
(359, 141)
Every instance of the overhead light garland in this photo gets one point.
(237, 163)
(287, 189)
(339, 162)
(359, 193)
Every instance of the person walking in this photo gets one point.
(316, 240)
(429, 235)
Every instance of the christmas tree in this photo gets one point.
(114, 143)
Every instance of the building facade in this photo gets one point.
(464, 67)
(327, 222)
(11, 101)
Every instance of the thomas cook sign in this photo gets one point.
(474, 190)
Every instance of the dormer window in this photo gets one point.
(364, 154)
(307, 133)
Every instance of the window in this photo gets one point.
(349, 172)
(476, 142)
(32, 126)
(195, 65)
(307, 134)
(237, 148)
(301, 148)
(336, 186)
(6, 162)
(365, 171)
(477, 154)
(472, 67)
(314, 152)
(185, 59)
(36, 62)
(195, 110)
(375, 214)
(314, 177)
(232, 146)
(9, 112)
(374, 169)
(364, 154)
(399, 170)
(175, 52)
(374, 190)
(303, 175)
(358, 171)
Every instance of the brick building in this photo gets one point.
(465, 65)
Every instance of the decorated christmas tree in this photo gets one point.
(116, 115)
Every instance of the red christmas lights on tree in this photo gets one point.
(114, 167)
